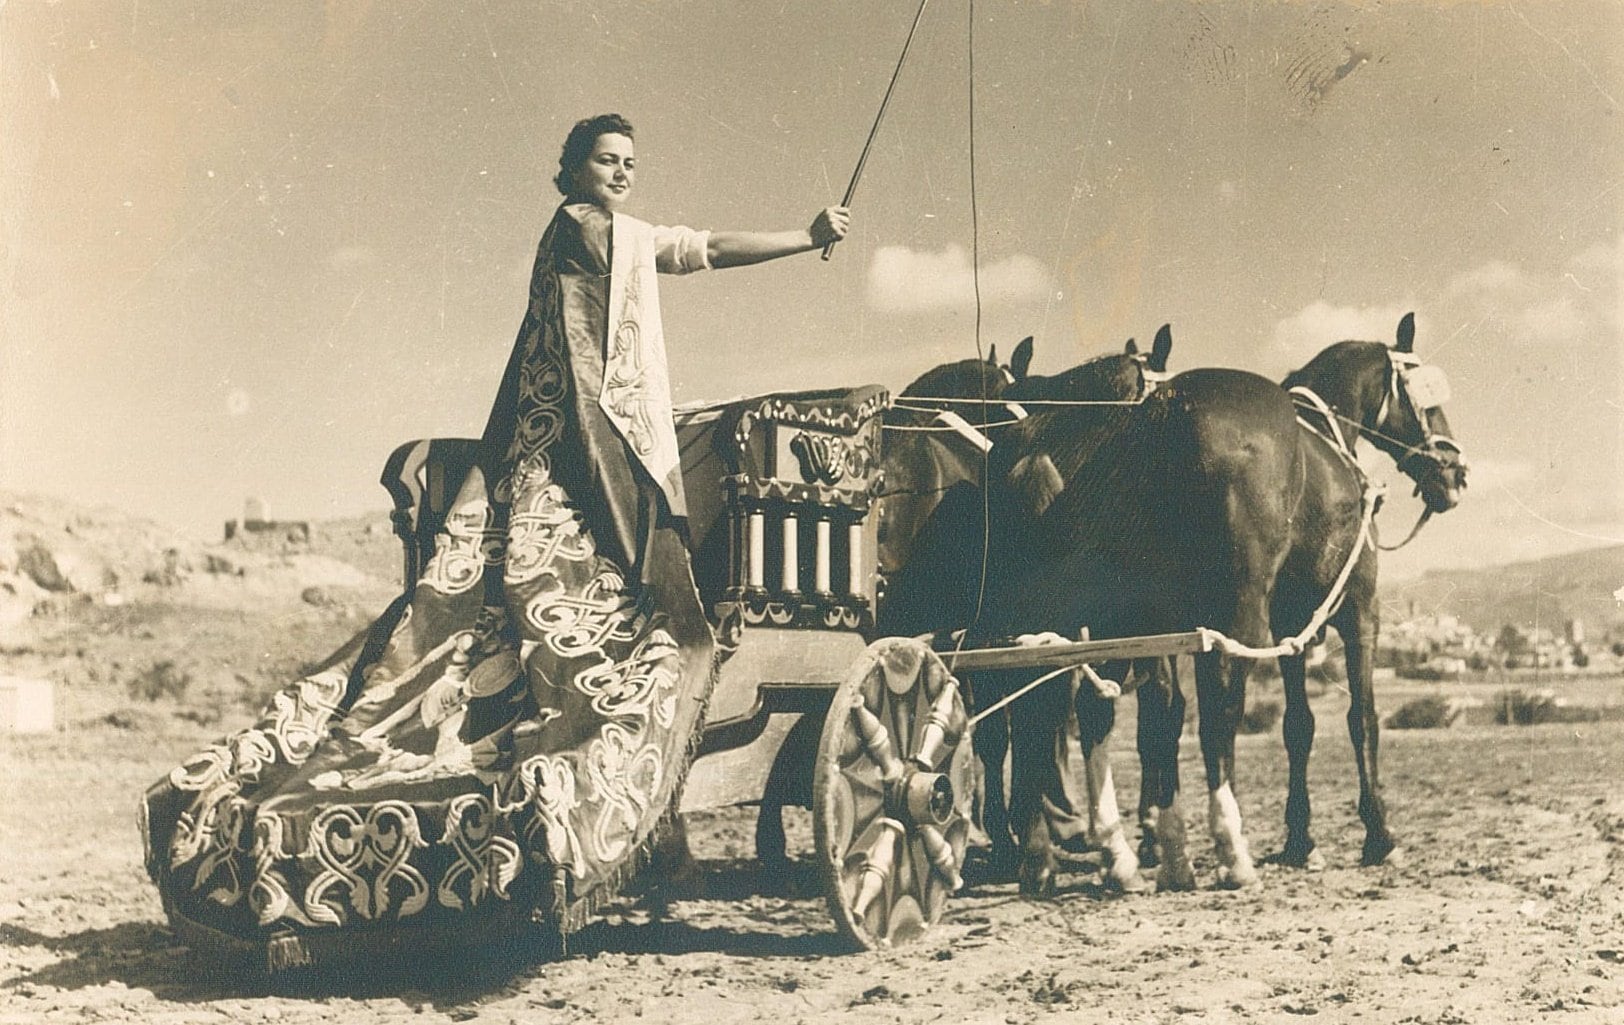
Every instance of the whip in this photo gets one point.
(857, 172)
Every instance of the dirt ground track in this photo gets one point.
(1508, 906)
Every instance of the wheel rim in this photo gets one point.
(891, 794)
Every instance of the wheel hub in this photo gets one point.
(921, 798)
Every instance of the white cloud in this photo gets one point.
(1546, 309)
(903, 280)
(1299, 337)
(1496, 278)
(1600, 266)
(1552, 321)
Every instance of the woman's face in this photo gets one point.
(606, 177)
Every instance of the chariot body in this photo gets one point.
(810, 708)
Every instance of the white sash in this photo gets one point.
(636, 394)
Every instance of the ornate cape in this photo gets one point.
(507, 739)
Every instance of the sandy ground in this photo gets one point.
(1508, 907)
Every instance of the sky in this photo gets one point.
(247, 249)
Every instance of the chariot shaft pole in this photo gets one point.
(857, 172)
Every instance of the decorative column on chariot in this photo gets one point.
(756, 560)
(791, 586)
(854, 557)
(820, 575)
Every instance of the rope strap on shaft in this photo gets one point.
(1220, 641)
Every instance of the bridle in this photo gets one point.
(1414, 387)
(1418, 389)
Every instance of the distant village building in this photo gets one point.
(257, 524)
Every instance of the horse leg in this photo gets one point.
(1070, 807)
(1152, 711)
(990, 741)
(1221, 694)
(1035, 782)
(1096, 716)
(1161, 723)
(1297, 728)
(1359, 643)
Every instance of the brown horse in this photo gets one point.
(1185, 513)
(937, 576)
(1412, 429)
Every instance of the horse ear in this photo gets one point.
(1406, 333)
(1022, 360)
(1161, 348)
(992, 354)
(1132, 348)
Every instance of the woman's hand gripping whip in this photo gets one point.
(857, 173)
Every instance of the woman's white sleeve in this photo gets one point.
(679, 250)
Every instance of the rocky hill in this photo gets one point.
(1545, 592)
(54, 554)
(119, 611)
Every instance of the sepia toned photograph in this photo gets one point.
(877, 511)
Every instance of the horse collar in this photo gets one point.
(1308, 399)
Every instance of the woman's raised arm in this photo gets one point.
(738, 248)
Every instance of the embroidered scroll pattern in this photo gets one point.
(626, 385)
(642, 685)
(288, 733)
(623, 777)
(268, 895)
(546, 531)
(543, 384)
(546, 784)
(470, 540)
(488, 862)
(364, 854)
(222, 852)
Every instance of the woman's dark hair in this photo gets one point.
(580, 142)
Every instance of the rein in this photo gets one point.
(1426, 514)
(949, 400)
(1306, 398)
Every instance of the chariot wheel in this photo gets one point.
(891, 791)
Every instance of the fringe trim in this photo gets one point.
(569, 916)
(285, 952)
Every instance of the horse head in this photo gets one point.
(935, 439)
(1127, 376)
(1389, 396)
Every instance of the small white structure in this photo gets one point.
(26, 706)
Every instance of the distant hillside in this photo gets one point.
(1545, 592)
(55, 554)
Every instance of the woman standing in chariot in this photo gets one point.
(509, 739)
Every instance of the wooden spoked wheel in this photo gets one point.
(891, 794)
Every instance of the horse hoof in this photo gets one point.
(1300, 856)
(1126, 883)
(1038, 881)
(1171, 878)
(1148, 858)
(1379, 851)
(1240, 876)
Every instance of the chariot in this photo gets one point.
(810, 708)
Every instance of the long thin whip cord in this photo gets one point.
(975, 277)
(857, 172)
